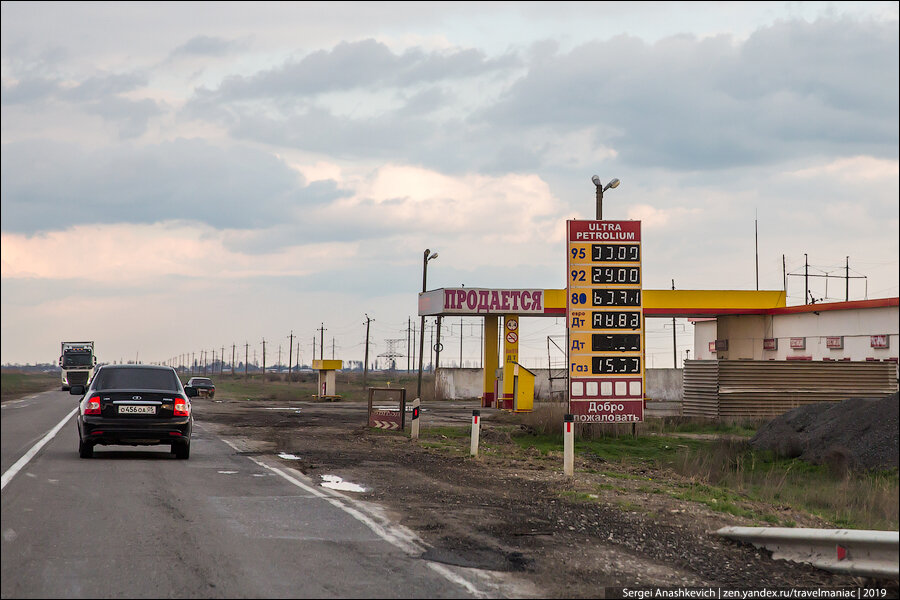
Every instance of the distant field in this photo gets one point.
(15, 384)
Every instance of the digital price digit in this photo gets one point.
(627, 297)
(616, 252)
(615, 365)
(615, 319)
(621, 342)
(630, 275)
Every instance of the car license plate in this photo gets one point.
(129, 409)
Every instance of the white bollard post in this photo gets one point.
(569, 445)
(414, 428)
(476, 428)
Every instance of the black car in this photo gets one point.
(135, 405)
(203, 385)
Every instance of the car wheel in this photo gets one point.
(182, 451)
(85, 450)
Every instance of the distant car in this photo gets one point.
(204, 386)
(134, 405)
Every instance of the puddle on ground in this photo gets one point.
(336, 483)
(287, 456)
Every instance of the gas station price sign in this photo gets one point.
(605, 321)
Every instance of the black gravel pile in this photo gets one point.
(860, 434)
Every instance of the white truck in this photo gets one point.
(77, 362)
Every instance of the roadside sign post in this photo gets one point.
(605, 324)
(569, 445)
(414, 427)
(476, 430)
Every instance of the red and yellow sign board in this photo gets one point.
(604, 313)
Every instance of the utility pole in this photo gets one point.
(460, 341)
(366, 363)
(847, 273)
(806, 278)
(222, 365)
(279, 359)
(291, 355)
(264, 360)
(756, 242)
(246, 359)
(314, 349)
(233, 347)
(322, 342)
(332, 348)
(437, 349)
(408, 334)
(431, 351)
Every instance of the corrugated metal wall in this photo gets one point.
(738, 389)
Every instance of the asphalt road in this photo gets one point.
(138, 523)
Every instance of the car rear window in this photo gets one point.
(143, 379)
(202, 381)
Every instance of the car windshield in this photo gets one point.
(142, 379)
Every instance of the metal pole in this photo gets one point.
(599, 202)
(366, 363)
(847, 272)
(806, 278)
(460, 341)
(756, 240)
(422, 326)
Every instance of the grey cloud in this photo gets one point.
(29, 91)
(97, 88)
(763, 100)
(206, 46)
(47, 186)
(353, 65)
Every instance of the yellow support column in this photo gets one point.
(491, 362)
(511, 358)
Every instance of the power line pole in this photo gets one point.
(847, 273)
(233, 347)
(246, 359)
(806, 278)
(314, 348)
(408, 334)
(222, 365)
(366, 363)
(291, 356)
(264, 360)
(332, 348)
(460, 341)
(322, 342)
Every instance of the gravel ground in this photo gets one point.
(563, 537)
(858, 433)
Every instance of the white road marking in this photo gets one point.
(394, 535)
(11, 472)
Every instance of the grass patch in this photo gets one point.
(732, 474)
(16, 384)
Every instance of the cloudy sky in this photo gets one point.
(179, 177)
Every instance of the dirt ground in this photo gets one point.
(568, 537)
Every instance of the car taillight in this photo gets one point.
(182, 407)
(92, 406)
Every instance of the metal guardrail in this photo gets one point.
(851, 551)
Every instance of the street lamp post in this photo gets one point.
(429, 255)
(600, 189)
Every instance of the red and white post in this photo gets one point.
(476, 430)
(569, 445)
(414, 428)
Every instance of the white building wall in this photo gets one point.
(745, 335)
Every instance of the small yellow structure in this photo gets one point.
(326, 382)
(523, 389)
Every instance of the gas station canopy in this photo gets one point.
(529, 302)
